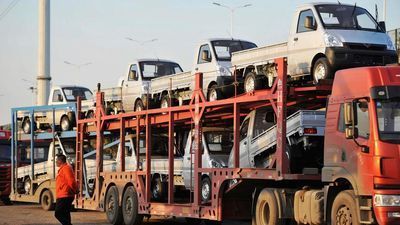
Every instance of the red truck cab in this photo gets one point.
(5, 165)
(362, 144)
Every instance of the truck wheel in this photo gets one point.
(205, 189)
(27, 185)
(253, 82)
(321, 70)
(344, 209)
(90, 114)
(165, 103)
(47, 200)
(113, 211)
(267, 209)
(26, 126)
(130, 207)
(213, 93)
(65, 123)
(139, 106)
(157, 189)
(6, 201)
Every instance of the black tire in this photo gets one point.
(212, 222)
(193, 221)
(113, 210)
(6, 201)
(321, 70)
(65, 123)
(90, 114)
(139, 106)
(253, 82)
(206, 189)
(130, 207)
(26, 126)
(165, 102)
(157, 189)
(213, 93)
(47, 201)
(267, 209)
(344, 208)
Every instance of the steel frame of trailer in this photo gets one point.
(196, 113)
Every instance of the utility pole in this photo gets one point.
(43, 78)
(232, 11)
(384, 10)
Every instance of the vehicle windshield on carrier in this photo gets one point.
(153, 69)
(72, 93)
(224, 48)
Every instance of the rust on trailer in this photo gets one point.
(199, 112)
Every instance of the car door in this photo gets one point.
(244, 144)
(205, 62)
(304, 43)
(131, 88)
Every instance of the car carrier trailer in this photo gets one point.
(5, 165)
(359, 182)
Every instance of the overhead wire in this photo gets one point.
(10, 6)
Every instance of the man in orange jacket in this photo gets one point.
(66, 188)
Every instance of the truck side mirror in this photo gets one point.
(351, 132)
(204, 56)
(60, 98)
(350, 120)
(348, 114)
(309, 23)
(382, 24)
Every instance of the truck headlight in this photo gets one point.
(387, 200)
(390, 45)
(223, 71)
(332, 41)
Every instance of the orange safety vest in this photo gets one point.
(65, 182)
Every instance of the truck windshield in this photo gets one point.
(5, 152)
(153, 69)
(223, 49)
(72, 93)
(219, 142)
(347, 17)
(388, 113)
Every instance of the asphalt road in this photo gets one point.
(31, 214)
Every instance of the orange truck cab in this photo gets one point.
(5, 165)
(362, 142)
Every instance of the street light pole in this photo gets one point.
(232, 10)
(384, 10)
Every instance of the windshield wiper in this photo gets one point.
(354, 10)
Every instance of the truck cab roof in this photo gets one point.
(154, 60)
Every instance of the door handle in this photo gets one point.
(295, 39)
(245, 143)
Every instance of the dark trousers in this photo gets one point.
(63, 210)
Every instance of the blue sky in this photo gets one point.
(94, 31)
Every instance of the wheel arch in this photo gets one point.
(316, 57)
(41, 193)
(339, 185)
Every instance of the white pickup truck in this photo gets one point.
(62, 117)
(217, 144)
(134, 89)
(323, 38)
(304, 132)
(212, 57)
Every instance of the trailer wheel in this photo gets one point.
(130, 207)
(47, 200)
(139, 106)
(157, 189)
(321, 70)
(213, 93)
(344, 210)
(113, 211)
(26, 126)
(267, 209)
(65, 123)
(205, 189)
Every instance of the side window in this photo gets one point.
(128, 151)
(365, 22)
(57, 96)
(244, 129)
(302, 19)
(204, 54)
(133, 73)
(363, 119)
(341, 124)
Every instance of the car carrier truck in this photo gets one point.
(358, 182)
(323, 38)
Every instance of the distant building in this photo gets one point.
(395, 36)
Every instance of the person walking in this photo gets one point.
(66, 188)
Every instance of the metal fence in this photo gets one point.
(395, 36)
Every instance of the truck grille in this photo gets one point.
(371, 47)
(368, 60)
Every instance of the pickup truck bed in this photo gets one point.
(259, 56)
(179, 81)
(296, 123)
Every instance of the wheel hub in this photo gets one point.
(205, 191)
(64, 124)
(164, 103)
(320, 72)
(213, 95)
(249, 86)
(110, 205)
(129, 206)
(343, 216)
